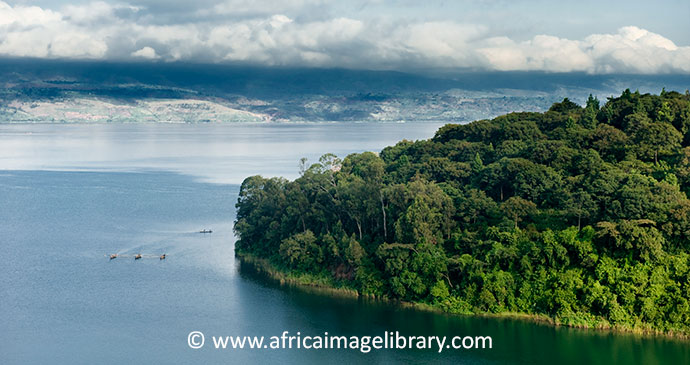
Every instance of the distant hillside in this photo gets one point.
(289, 93)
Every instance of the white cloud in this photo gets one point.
(631, 49)
(146, 52)
(96, 31)
(87, 13)
(35, 32)
(240, 7)
(23, 16)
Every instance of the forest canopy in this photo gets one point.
(578, 213)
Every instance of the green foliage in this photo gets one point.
(577, 213)
(517, 208)
(300, 251)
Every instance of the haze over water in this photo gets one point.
(72, 194)
(222, 153)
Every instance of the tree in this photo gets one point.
(658, 139)
(473, 204)
(566, 106)
(665, 114)
(428, 219)
(589, 117)
(477, 164)
(581, 206)
(354, 253)
(362, 188)
(301, 251)
(517, 208)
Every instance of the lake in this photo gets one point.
(72, 194)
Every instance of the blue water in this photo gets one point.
(63, 301)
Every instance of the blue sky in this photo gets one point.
(560, 36)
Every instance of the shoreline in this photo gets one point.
(264, 267)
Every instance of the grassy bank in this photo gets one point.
(327, 285)
(286, 277)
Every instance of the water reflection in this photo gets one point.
(220, 153)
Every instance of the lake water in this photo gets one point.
(71, 194)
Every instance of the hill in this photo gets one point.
(86, 91)
(578, 213)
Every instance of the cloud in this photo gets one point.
(146, 52)
(263, 7)
(35, 32)
(238, 31)
(630, 50)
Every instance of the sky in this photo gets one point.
(597, 37)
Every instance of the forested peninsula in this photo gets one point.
(579, 213)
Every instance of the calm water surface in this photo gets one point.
(70, 194)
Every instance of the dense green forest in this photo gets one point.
(578, 213)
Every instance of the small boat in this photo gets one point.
(206, 231)
(137, 256)
(113, 256)
(162, 257)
